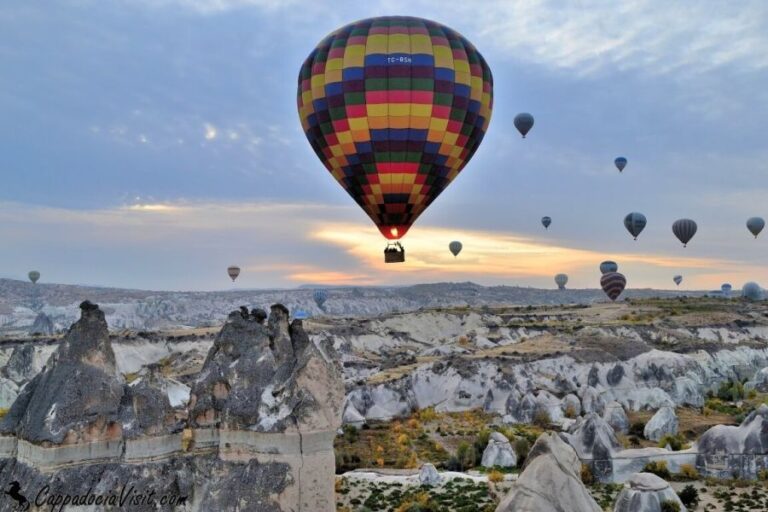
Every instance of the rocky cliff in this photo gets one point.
(257, 433)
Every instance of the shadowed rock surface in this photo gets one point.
(264, 411)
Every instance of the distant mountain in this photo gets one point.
(20, 302)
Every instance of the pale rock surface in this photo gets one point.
(662, 423)
(499, 452)
(550, 481)
(645, 492)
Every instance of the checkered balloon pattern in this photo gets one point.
(395, 107)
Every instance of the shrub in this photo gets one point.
(587, 477)
(495, 476)
(637, 428)
(658, 468)
(350, 433)
(521, 447)
(428, 414)
(688, 471)
(670, 506)
(541, 418)
(730, 391)
(570, 411)
(762, 475)
(465, 455)
(675, 441)
(689, 496)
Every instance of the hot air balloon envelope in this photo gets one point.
(684, 229)
(613, 284)
(635, 223)
(608, 266)
(752, 291)
(320, 297)
(455, 247)
(561, 280)
(523, 123)
(620, 163)
(546, 221)
(678, 280)
(34, 275)
(755, 225)
(395, 107)
(233, 271)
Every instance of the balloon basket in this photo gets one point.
(394, 253)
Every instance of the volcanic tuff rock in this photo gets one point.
(616, 417)
(550, 481)
(76, 398)
(662, 423)
(595, 443)
(264, 412)
(499, 452)
(725, 450)
(645, 492)
(428, 475)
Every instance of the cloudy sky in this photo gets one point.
(151, 143)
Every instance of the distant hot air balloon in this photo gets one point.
(608, 266)
(635, 223)
(684, 229)
(726, 289)
(613, 284)
(455, 247)
(233, 271)
(678, 279)
(752, 291)
(620, 163)
(561, 280)
(320, 297)
(300, 314)
(755, 225)
(546, 221)
(523, 123)
(395, 107)
(34, 276)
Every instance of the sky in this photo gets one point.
(152, 143)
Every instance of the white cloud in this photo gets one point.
(655, 36)
(210, 131)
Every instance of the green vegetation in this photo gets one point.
(658, 468)
(689, 496)
(675, 441)
(670, 506)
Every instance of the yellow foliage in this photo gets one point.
(379, 449)
(414, 424)
(380, 462)
(4, 411)
(396, 427)
(463, 341)
(495, 476)
(412, 462)
(403, 440)
(428, 414)
(689, 471)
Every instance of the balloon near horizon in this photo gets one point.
(395, 107)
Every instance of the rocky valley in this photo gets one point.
(548, 405)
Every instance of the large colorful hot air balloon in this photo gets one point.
(755, 225)
(620, 163)
(233, 271)
(561, 280)
(455, 247)
(546, 221)
(613, 284)
(684, 229)
(635, 223)
(34, 276)
(608, 266)
(523, 123)
(395, 107)
(320, 297)
(678, 279)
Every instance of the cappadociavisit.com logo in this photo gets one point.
(128, 497)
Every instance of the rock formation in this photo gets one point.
(616, 417)
(645, 492)
(727, 451)
(550, 481)
(428, 475)
(43, 325)
(257, 434)
(662, 423)
(595, 443)
(499, 452)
